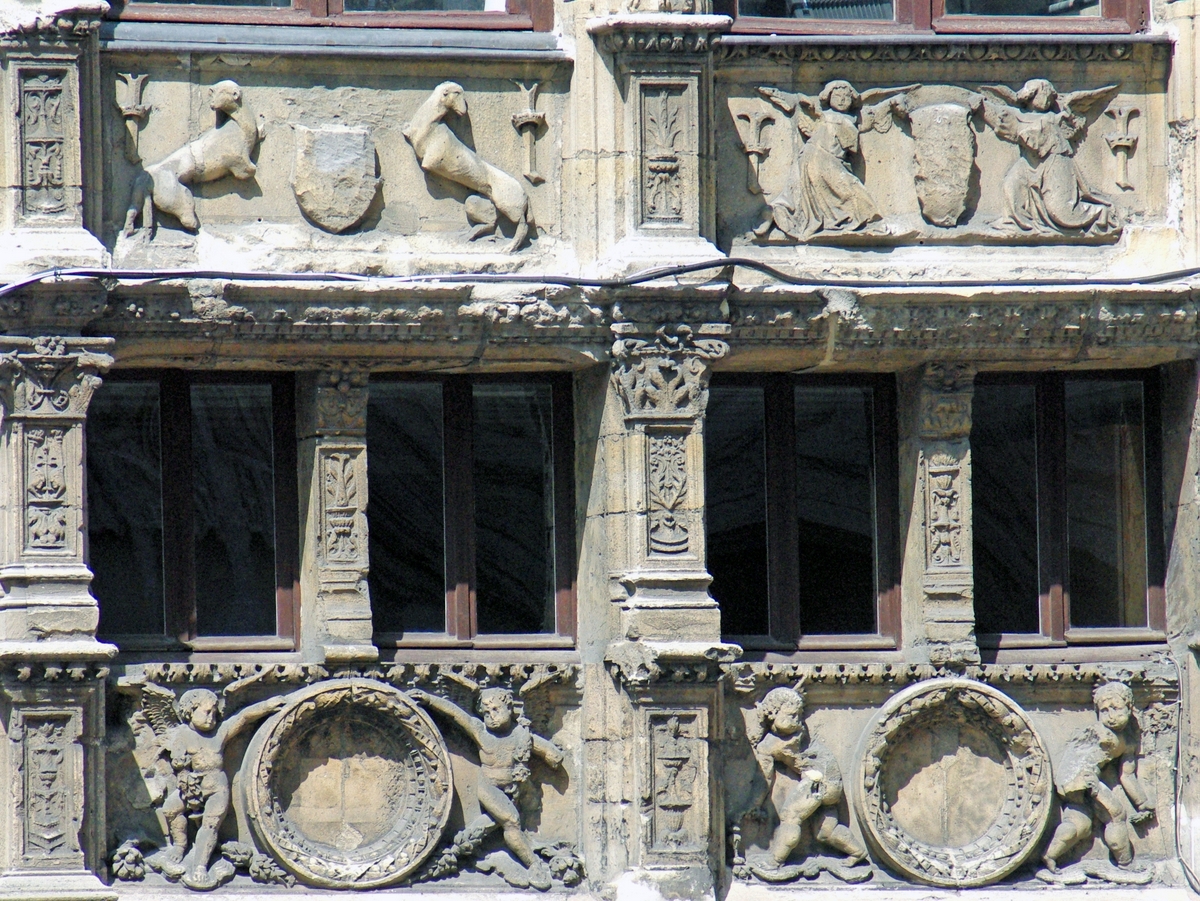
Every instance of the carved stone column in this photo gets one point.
(50, 82)
(664, 66)
(336, 613)
(945, 489)
(51, 687)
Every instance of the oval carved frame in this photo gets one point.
(1012, 836)
(418, 818)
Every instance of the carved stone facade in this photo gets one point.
(663, 246)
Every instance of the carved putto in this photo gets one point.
(225, 149)
(195, 790)
(440, 152)
(822, 193)
(803, 785)
(1096, 779)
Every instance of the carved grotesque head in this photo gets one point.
(782, 711)
(496, 708)
(840, 95)
(200, 709)
(450, 96)
(1114, 705)
(225, 96)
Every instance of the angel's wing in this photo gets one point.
(158, 704)
(1077, 103)
(874, 95)
(1003, 92)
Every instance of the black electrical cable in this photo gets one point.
(570, 281)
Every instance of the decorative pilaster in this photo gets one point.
(945, 473)
(45, 387)
(337, 600)
(664, 62)
(51, 73)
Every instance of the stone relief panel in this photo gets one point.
(674, 797)
(46, 115)
(987, 159)
(954, 786)
(794, 818)
(337, 778)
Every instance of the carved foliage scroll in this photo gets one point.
(46, 490)
(667, 376)
(666, 464)
(343, 499)
(44, 122)
(943, 512)
(48, 806)
(663, 114)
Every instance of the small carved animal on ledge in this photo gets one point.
(222, 150)
(440, 152)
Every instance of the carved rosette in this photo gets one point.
(349, 785)
(954, 787)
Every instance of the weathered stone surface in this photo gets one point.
(333, 175)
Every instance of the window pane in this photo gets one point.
(818, 9)
(736, 507)
(233, 509)
(125, 516)
(1022, 8)
(835, 504)
(406, 515)
(1106, 503)
(1004, 490)
(514, 508)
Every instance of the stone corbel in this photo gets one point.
(945, 471)
(334, 562)
(46, 385)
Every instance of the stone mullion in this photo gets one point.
(336, 602)
(947, 583)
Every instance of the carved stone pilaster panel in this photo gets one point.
(945, 475)
(51, 762)
(343, 549)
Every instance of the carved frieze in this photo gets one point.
(666, 376)
(924, 50)
(954, 786)
(349, 786)
(440, 152)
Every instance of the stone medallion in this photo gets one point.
(348, 785)
(954, 786)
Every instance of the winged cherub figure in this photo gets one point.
(191, 734)
(822, 193)
(1044, 192)
(505, 748)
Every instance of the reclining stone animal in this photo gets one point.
(222, 150)
(440, 152)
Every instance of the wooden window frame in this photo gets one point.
(462, 627)
(179, 584)
(929, 17)
(1053, 577)
(785, 609)
(519, 15)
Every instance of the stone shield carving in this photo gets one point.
(945, 154)
(349, 785)
(333, 175)
(954, 785)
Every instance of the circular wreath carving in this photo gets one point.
(954, 785)
(348, 785)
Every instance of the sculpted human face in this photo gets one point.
(1114, 713)
(497, 713)
(789, 720)
(205, 715)
(841, 98)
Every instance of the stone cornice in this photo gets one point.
(658, 32)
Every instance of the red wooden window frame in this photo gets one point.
(462, 629)
(179, 587)
(520, 15)
(785, 606)
(1053, 601)
(929, 17)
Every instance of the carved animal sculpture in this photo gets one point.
(440, 152)
(222, 150)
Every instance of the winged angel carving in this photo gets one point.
(190, 734)
(822, 193)
(1048, 195)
